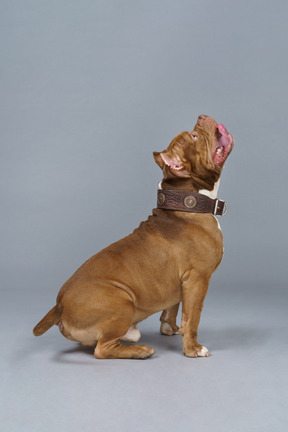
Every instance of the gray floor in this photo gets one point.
(52, 383)
(88, 91)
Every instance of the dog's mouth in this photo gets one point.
(225, 142)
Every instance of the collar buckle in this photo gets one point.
(216, 207)
(222, 208)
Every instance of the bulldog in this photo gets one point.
(169, 258)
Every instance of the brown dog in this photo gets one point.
(169, 258)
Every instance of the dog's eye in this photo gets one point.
(194, 136)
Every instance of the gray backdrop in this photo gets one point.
(89, 89)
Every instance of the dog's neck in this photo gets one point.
(211, 194)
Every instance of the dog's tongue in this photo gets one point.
(224, 143)
(224, 136)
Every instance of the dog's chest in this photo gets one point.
(185, 238)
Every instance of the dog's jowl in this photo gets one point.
(169, 258)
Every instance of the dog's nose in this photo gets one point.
(202, 117)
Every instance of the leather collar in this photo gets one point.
(192, 202)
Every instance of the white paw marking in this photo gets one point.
(166, 328)
(204, 352)
(132, 335)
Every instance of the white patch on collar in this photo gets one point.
(218, 223)
(211, 194)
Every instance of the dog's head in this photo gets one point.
(198, 155)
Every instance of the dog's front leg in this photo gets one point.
(168, 321)
(194, 289)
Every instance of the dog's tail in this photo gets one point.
(51, 318)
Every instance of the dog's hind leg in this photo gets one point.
(168, 321)
(113, 349)
(111, 330)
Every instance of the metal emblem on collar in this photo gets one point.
(190, 202)
(161, 198)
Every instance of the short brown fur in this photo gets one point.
(169, 258)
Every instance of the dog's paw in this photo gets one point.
(197, 351)
(167, 329)
(143, 351)
(115, 350)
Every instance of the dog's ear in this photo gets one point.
(176, 166)
(158, 159)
